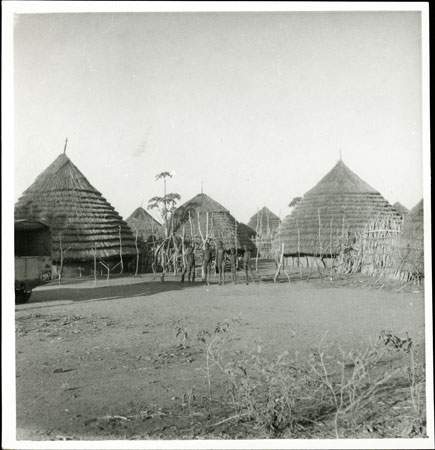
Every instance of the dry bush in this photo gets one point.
(330, 389)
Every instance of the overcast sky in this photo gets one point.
(255, 105)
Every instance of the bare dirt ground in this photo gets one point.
(105, 362)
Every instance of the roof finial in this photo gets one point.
(66, 142)
(141, 204)
(340, 154)
(202, 187)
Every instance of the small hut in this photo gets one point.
(82, 221)
(265, 223)
(203, 219)
(146, 226)
(410, 246)
(246, 229)
(401, 209)
(149, 233)
(330, 215)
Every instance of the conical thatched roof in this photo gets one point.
(246, 229)
(264, 222)
(79, 216)
(145, 224)
(402, 210)
(334, 211)
(410, 244)
(202, 217)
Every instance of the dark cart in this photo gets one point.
(32, 257)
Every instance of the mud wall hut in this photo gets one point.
(203, 219)
(82, 221)
(330, 216)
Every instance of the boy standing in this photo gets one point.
(206, 263)
(189, 266)
(233, 262)
(220, 261)
(247, 263)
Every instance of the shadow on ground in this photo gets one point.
(83, 294)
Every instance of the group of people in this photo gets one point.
(220, 257)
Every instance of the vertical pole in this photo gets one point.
(61, 257)
(235, 242)
(137, 251)
(120, 249)
(257, 239)
(95, 264)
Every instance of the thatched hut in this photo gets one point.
(265, 223)
(149, 233)
(81, 219)
(401, 209)
(146, 226)
(247, 230)
(331, 215)
(202, 218)
(410, 246)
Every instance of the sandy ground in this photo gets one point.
(89, 358)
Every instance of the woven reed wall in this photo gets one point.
(387, 248)
(409, 247)
(373, 252)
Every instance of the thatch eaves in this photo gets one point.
(81, 219)
(331, 214)
(202, 217)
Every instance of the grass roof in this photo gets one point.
(79, 216)
(336, 208)
(410, 243)
(145, 224)
(247, 229)
(264, 222)
(202, 216)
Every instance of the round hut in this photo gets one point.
(82, 221)
(149, 233)
(247, 230)
(146, 226)
(265, 223)
(203, 219)
(410, 246)
(330, 215)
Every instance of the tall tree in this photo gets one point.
(166, 206)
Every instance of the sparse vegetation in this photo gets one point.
(186, 363)
(329, 391)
